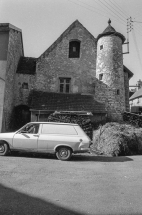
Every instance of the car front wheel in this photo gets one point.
(64, 153)
(3, 149)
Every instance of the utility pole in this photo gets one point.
(129, 29)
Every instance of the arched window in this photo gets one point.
(74, 49)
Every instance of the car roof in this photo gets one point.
(55, 123)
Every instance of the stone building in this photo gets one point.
(78, 72)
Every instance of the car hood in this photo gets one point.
(7, 135)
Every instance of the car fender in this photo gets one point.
(63, 145)
(5, 141)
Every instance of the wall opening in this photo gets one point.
(21, 116)
(64, 85)
(74, 49)
(25, 86)
(101, 77)
(118, 92)
(101, 47)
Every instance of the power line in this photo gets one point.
(135, 42)
(113, 8)
(116, 18)
(118, 6)
(109, 9)
(119, 11)
(87, 8)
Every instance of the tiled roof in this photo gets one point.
(130, 74)
(109, 31)
(137, 94)
(27, 65)
(64, 102)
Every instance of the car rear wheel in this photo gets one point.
(64, 153)
(3, 149)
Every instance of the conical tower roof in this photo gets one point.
(111, 31)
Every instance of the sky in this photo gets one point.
(43, 21)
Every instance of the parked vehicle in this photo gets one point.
(61, 139)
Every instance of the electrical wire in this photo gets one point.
(101, 14)
(137, 50)
(112, 9)
(120, 9)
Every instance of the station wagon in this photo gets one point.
(62, 139)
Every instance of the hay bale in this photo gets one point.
(116, 139)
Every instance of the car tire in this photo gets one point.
(4, 149)
(63, 153)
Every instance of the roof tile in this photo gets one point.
(65, 102)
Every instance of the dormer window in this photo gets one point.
(74, 49)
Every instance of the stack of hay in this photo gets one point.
(116, 139)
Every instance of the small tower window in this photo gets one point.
(100, 77)
(74, 49)
(25, 86)
(101, 47)
(118, 92)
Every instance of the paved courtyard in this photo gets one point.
(43, 185)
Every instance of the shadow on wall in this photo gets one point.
(17, 203)
(20, 116)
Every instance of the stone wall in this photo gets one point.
(55, 64)
(15, 50)
(126, 85)
(4, 35)
(110, 65)
(22, 94)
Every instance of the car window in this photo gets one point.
(32, 129)
(58, 129)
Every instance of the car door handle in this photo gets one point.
(36, 135)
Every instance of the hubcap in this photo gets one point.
(63, 153)
(2, 148)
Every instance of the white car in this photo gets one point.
(61, 139)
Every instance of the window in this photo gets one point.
(118, 92)
(64, 85)
(101, 47)
(100, 76)
(58, 129)
(31, 128)
(25, 86)
(74, 49)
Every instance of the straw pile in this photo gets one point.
(114, 139)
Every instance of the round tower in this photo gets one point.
(109, 71)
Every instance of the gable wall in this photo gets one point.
(55, 64)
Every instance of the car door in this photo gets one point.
(28, 139)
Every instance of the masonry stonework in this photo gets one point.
(57, 63)
(126, 85)
(15, 51)
(110, 67)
